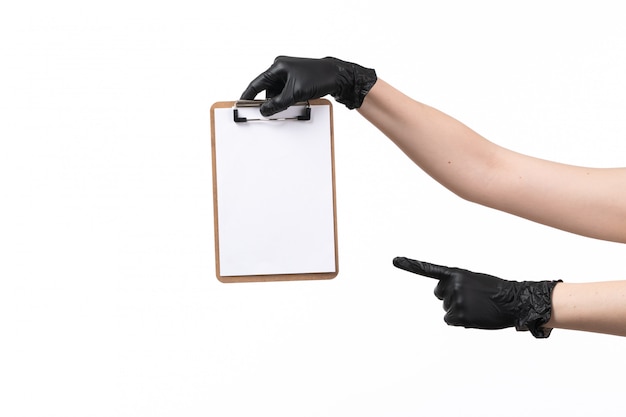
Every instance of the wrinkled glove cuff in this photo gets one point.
(354, 82)
(536, 307)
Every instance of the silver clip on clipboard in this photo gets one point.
(306, 112)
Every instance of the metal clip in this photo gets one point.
(306, 114)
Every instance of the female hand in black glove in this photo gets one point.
(290, 80)
(483, 301)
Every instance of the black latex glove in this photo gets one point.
(483, 301)
(290, 80)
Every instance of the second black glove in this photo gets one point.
(484, 301)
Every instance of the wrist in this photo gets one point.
(353, 82)
(535, 310)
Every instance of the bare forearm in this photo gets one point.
(586, 201)
(594, 307)
(445, 148)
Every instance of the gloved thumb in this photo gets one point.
(279, 102)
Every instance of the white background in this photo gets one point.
(109, 305)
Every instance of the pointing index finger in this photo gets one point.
(421, 268)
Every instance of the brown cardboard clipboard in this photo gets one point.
(233, 121)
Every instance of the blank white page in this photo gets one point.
(275, 196)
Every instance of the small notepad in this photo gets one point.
(274, 193)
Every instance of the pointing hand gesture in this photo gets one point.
(482, 301)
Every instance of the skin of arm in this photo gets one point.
(598, 307)
(586, 201)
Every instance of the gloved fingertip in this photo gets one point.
(267, 111)
(407, 264)
(421, 268)
(399, 261)
(249, 94)
(270, 107)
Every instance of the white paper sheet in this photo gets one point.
(274, 193)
